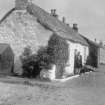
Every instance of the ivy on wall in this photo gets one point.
(55, 53)
(58, 51)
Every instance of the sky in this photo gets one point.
(88, 14)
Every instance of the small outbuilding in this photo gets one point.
(6, 59)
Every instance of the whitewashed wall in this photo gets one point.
(84, 51)
(102, 55)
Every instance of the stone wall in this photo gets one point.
(20, 29)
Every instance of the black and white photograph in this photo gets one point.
(52, 52)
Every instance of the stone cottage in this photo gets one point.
(29, 25)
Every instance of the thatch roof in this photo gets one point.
(51, 23)
(90, 41)
(55, 24)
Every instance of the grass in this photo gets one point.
(87, 89)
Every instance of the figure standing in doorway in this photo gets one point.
(79, 60)
(75, 62)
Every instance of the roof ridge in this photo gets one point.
(32, 4)
(54, 24)
(51, 22)
(89, 40)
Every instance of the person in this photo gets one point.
(75, 62)
(79, 62)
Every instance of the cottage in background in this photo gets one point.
(94, 53)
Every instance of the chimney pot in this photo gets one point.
(53, 13)
(101, 43)
(63, 19)
(75, 27)
(67, 24)
(95, 40)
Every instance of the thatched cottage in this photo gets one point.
(94, 53)
(29, 25)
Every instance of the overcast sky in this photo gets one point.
(88, 14)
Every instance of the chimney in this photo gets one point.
(75, 27)
(63, 19)
(53, 13)
(21, 4)
(95, 40)
(67, 24)
(101, 43)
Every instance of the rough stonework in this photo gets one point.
(20, 29)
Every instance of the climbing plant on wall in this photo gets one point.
(58, 51)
